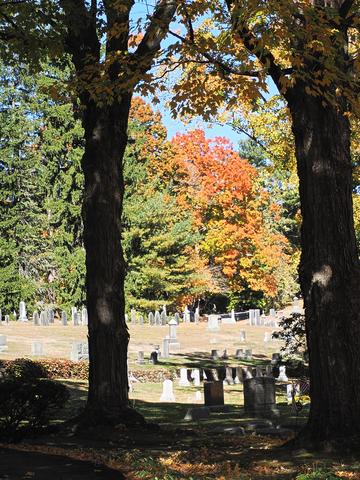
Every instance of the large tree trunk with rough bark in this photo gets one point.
(329, 267)
(105, 143)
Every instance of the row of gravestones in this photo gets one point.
(79, 350)
(259, 388)
(157, 318)
(47, 317)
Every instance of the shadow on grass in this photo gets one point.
(202, 360)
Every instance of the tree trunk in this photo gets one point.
(105, 143)
(329, 267)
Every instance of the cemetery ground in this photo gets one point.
(221, 446)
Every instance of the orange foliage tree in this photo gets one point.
(233, 213)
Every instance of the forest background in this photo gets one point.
(204, 222)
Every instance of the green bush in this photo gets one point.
(319, 474)
(26, 405)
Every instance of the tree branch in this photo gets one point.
(155, 33)
(345, 8)
(253, 45)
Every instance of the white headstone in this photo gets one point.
(267, 337)
(84, 317)
(172, 330)
(36, 318)
(63, 318)
(197, 315)
(79, 351)
(165, 348)
(151, 318)
(242, 336)
(213, 322)
(22, 312)
(167, 393)
(157, 318)
(133, 317)
(282, 374)
(37, 348)
(183, 382)
(187, 317)
(195, 375)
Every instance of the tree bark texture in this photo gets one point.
(329, 267)
(105, 143)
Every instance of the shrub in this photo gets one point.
(319, 474)
(26, 405)
(26, 369)
(293, 334)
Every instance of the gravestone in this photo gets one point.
(239, 375)
(51, 316)
(22, 312)
(248, 354)
(3, 343)
(259, 396)
(154, 358)
(225, 356)
(213, 322)
(242, 336)
(177, 317)
(229, 376)
(43, 318)
(214, 354)
(74, 316)
(267, 337)
(7, 318)
(282, 374)
(37, 348)
(84, 317)
(197, 315)
(268, 371)
(126, 318)
(167, 393)
(252, 317)
(229, 319)
(183, 382)
(79, 351)
(275, 358)
(151, 318)
(196, 413)
(195, 375)
(140, 358)
(239, 353)
(172, 331)
(133, 317)
(141, 320)
(198, 396)
(259, 371)
(214, 374)
(0, 315)
(214, 393)
(257, 318)
(187, 317)
(36, 318)
(63, 318)
(272, 312)
(248, 373)
(163, 318)
(157, 318)
(165, 348)
(296, 305)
